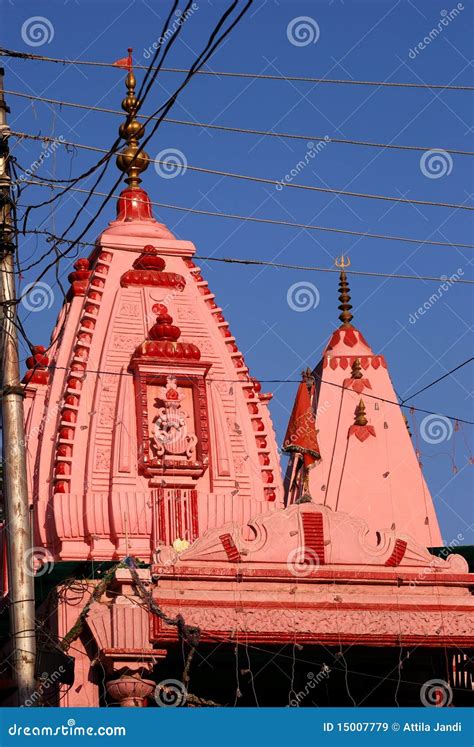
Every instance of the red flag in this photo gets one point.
(301, 432)
(126, 61)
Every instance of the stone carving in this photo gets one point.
(206, 347)
(233, 426)
(129, 309)
(102, 460)
(106, 414)
(325, 536)
(321, 622)
(186, 312)
(171, 431)
(239, 465)
(125, 342)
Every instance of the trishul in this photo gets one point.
(342, 262)
(344, 293)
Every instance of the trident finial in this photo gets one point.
(342, 262)
(344, 292)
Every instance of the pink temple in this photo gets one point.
(148, 437)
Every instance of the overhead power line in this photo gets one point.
(222, 28)
(257, 262)
(230, 74)
(306, 268)
(436, 381)
(258, 179)
(99, 372)
(240, 130)
(270, 221)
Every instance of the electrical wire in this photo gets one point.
(262, 133)
(261, 180)
(106, 159)
(272, 221)
(228, 74)
(214, 41)
(325, 269)
(252, 262)
(444, 376)
(53, 367)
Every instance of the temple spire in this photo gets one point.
(360, 418)
(131, 131)
(356, 370)
(344, 293)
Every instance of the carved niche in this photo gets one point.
(171, 405)
(173, 433)
(173, 425)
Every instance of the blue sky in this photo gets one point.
(360, 40)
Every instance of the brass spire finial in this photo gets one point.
(360, 418)
(356, 369)
(131, 131)
(344, 292)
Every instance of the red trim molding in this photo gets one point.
(230, 548)
(398, 553)
(313, 531)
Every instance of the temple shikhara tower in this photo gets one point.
(168, 546)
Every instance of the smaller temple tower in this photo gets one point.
(367, 466)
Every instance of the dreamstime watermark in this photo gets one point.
(313, 680)
(446, 18)
(303, 30)
(302, 561)
(436, 163)
(302, 296)
(181, 17)
(170, 162)
(37, 30)
(66, 730)
(435, 429)
(37, 430)
(37, 296)
(170, 694)
(312, 151)
(436, 693)
(46, 681)
(38, 561)
(443, 553)
(435, 297)
(48, 149)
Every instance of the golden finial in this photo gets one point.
(360, 418)
(131, 131)
(344, 292)
(356, 370)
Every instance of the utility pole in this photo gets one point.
(15, 486)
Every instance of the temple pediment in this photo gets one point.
(306, 537)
